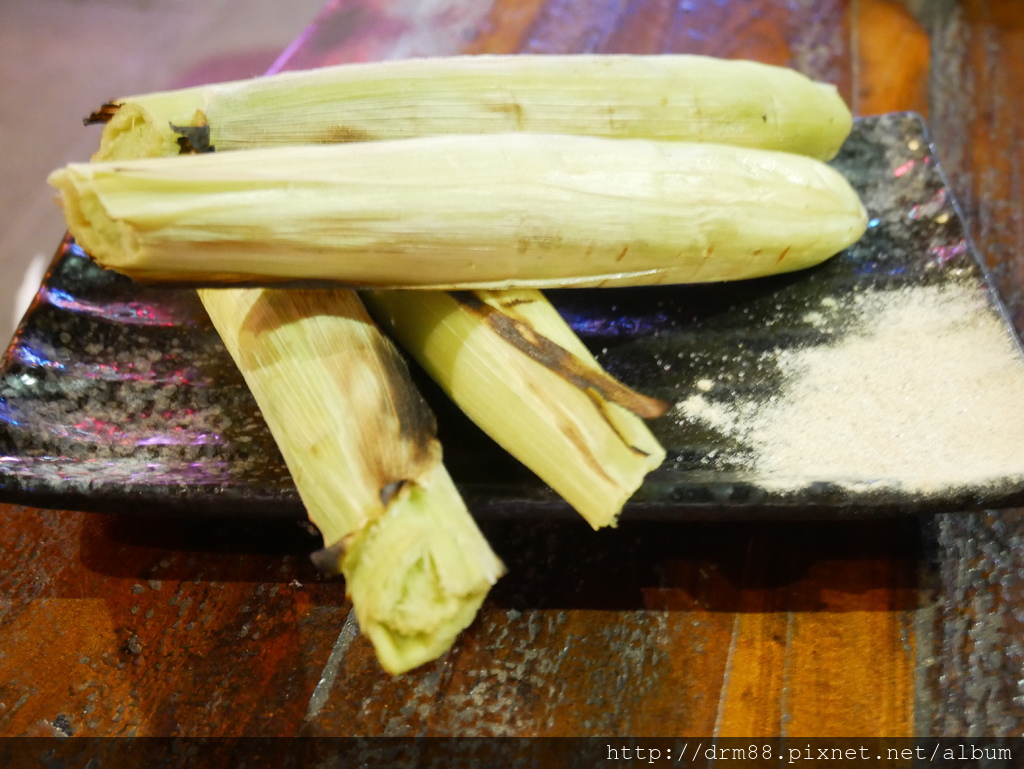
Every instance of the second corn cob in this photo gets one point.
(471, 211)
(670, 97)
(360, 444)
(495, 352)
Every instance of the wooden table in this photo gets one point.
(125, 625)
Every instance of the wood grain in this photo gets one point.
(666, 630)
(979, 62)
(827, 649)
(120, 627)
(977, 66)
(506, 27)
(976, 687)
(893, 51)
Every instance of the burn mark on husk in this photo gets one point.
(103, 115)
(559, 360)
(417, 422)
(193, 140)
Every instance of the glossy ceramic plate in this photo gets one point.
(118, 397)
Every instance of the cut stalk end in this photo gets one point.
(418, 574)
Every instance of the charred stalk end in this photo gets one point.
(193, 140)
(130, 131)
(328, 560)
(103, 115)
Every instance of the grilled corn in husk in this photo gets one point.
(669, 97)
(495, 352)
(360, 444)
(463, 212)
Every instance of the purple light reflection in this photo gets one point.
(935, 206)
(94, 430)
(942, 254)
(615, 326)
(30, 357)
(130, 313)
(131, 371)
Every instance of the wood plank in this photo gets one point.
(666, 630)
(577, 639)
(823, 646)
(114, 626)
(979, 133)
(893, 52)
(506, 27)
(368, 30)
(757, 687)
(978, 64)
(973, 686)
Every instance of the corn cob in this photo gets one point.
(464, 212)
(670, 97)
(491, 349)
(360, 444)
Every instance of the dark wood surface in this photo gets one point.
(120, 625)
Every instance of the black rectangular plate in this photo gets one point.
(119, 397)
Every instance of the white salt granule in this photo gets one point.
(720, 416)
(924, 392)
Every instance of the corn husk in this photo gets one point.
(464, 212)
(517, 369)
(669, 97)
(360, 444)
